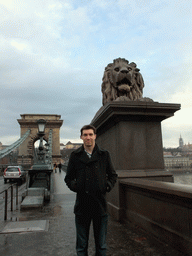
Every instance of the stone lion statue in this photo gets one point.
(122, 81)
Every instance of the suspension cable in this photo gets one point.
(16, 144)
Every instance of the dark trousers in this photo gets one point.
(82, 230)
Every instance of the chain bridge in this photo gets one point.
(29, 135)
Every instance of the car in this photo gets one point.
(15, 173)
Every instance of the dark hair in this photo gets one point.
(87, 127)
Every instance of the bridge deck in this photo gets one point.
(122, 239)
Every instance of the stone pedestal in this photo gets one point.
(131, 132)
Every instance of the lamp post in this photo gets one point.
(41, 163)
(40, 173)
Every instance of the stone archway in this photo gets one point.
(29, 121)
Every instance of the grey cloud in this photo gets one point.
(60, 67)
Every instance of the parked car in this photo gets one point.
(14, 173)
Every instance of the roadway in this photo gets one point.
(122, 239)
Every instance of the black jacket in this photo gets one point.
(91, 178)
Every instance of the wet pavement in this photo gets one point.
(122, 239)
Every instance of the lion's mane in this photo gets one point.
(122, 81)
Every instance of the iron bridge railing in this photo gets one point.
(10, 200)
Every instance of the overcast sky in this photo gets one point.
(53, 54)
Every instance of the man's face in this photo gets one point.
(88, 137)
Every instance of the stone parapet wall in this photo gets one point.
(115, 207)
(161, 208)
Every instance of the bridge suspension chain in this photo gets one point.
(16, 144)
(50, 145)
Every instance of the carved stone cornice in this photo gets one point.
(138, 111)
(33, 123)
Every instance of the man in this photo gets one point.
(60, 165)
(90, 174)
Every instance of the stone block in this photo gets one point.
(131, 131)
(36, 192)
(31, 202)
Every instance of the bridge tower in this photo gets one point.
(29, 121)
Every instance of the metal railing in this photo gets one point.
(11, 199)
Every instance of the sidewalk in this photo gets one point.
(122, 240)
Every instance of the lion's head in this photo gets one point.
(122, 81)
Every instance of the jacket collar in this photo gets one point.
(83, 156)
(96, 148)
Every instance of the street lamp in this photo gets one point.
(42, 162)
(41, 132)
(41, 126)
